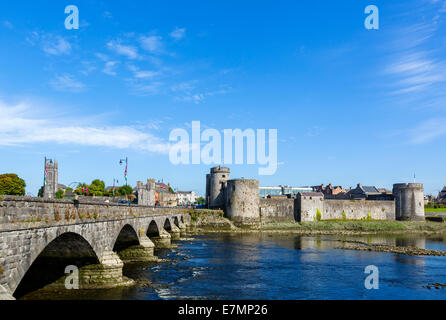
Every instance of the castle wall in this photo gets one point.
(217, 182)
(409, 200)
(306, 209)
(242, 201)
(272, 210)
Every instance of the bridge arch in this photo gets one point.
(167, 225)
(176, 221)
(153, 230)
(49, 263)
(125, 238)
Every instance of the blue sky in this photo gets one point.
(350, 104)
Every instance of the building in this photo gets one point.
(441, 199)
(51, 183)
(146, 192)
(164, 195)
(185, 198)
(363, 192)
(282, 191)
(329, 189)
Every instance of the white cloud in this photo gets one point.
(145, 74)
(152, 44)
(142, 74)
(417, 71)
(67, 82)
(188, 91)
(178, 33)
(428, 131)
(57, 46)
(125, 50)
(23, 124)
(110, 68)
(49, 43)
(146, 89)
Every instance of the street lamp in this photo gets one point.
(126, 166)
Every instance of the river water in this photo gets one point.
(252, 266)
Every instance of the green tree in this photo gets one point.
(201, 200)
(40, 193)
(97, 187)
(125, 190)
(11, 184)
(59, 194)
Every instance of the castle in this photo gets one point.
(146, 192)
(240, 200)
(238, 197)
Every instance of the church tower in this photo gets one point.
(51, 179)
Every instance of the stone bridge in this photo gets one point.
(40, 238)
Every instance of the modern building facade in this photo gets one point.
(281, 191)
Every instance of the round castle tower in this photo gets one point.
(215, 186)
(409, 201)
(242, 201)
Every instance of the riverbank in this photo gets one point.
(211, 222)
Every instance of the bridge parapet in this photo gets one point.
(30, 212)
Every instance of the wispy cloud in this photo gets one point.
(146, 89)
(190, 92)
(428, 131)
(18, 128)
(178, 33)
(416, 68)
(143, 74)
(66, 82)
(110, 68)
(50, 44)
(130, 52)
(153, 44)
(417, 71)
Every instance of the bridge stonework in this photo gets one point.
(30, 225)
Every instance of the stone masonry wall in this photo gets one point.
(306, 209)
(276, 210)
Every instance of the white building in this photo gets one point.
(186, 197)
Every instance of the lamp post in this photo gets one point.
(126, 166)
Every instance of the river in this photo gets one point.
(277, 266)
